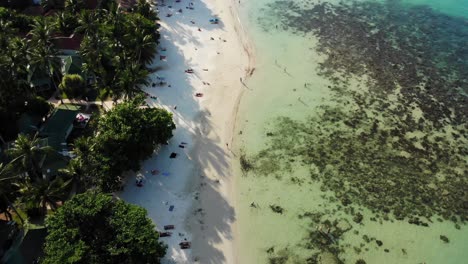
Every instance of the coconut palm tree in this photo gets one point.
(45, 59)
(74, 6)
(75, 171)
(43, 194)
(144, 46)
(66, 22)
(87, 23)
(6, 180)
(96, 52)
(28, 152)
(14, 87)
(130, 79)
(8, 31)
(41, 33)
(144, 8)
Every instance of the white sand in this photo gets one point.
(200, 184)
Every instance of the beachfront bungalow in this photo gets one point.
(59, 126)
(67, 45)
(56, 131)
(73, 64)
(39, 80)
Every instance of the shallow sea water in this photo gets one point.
(287, 83)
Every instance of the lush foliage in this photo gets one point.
(127, 134)
(97, 228)
(116, 47)
(40, 195)
(27, 153)
(38, 106)
(72, 85)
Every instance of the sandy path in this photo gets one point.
(198, 182)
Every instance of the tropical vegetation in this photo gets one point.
(115, 48)
(72, 85)
(125, 136)
(97, 228)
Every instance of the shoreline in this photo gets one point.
(224, 249)
(199, 184)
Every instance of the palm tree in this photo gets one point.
(43, 194)
(129, 80)
(7, 30)
(28, 151)
(144, 8)
(14, 87)
(87, 23)
(41, 33)
(66, 22)
(143, 45)
(74, 6)
(45, 59)
(75, 171)
(6, 191)
(95, 52)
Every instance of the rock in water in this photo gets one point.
(327, 258)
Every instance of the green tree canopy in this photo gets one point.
(97, 228)
(27, 151)
(72, 85)
(128, 134)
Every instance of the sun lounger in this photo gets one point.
(165, 234)
(169, 227)
(185, 245)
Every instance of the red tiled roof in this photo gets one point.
(33, 11)
(69, 43)
(127, 4)
(91, 4)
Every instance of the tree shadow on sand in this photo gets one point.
(210, 225)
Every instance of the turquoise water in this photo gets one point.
(352, 134)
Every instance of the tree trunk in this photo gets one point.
(13, 208)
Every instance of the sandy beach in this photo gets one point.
(195, 190)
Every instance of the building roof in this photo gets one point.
(34, 10)
(59, 125)
(28, 123)
(71, 64)
(91, 4)
(127, 4)
(71, 42)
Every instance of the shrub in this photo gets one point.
(72, 86)
(38, 106)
